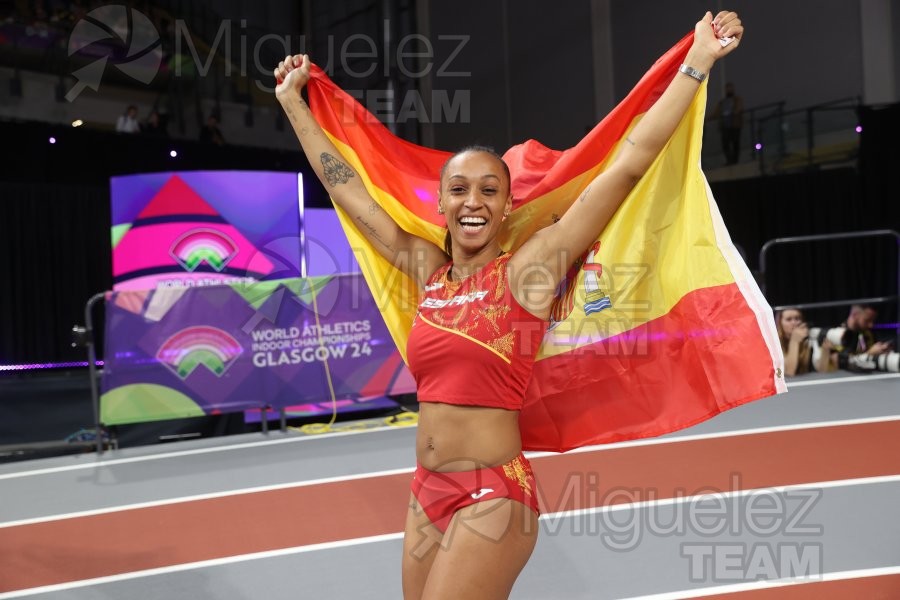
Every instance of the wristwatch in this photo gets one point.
(692, 72)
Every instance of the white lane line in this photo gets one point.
(721, 434)
(198, 565)
(545, 517)
(769, 584)
(530, 455)
(611, 446)
(100, 462)
(775, 489)
(209, 496)
(855, 378)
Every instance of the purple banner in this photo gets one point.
(183, 352)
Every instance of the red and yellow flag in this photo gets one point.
(658, 326)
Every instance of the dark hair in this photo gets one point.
(477, 148)
(863, 307)
(805, 356)
(448, 244)
(448, 248)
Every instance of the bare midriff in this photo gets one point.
(463, 438)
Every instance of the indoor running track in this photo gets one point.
(794, 496)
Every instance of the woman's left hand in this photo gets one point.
(710, 30)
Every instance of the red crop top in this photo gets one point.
(471, 342)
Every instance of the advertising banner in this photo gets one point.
(176, 352)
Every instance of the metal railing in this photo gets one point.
(86, 335)
(780, 140)
(759, 116)
(798, 151)
(832, 237)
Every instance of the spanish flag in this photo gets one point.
(658, 326)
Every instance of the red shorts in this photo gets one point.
(442, 494)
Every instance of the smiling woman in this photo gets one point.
(473, 187)
(472, 519)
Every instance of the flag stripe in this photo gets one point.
(653, 379)
(751, 292)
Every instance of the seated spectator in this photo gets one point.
(128, 122)
(855, 346)
(210, 133)
(793, 332)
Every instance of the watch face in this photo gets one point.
(692, 72)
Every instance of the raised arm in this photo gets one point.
(589, 215)
(417, 257)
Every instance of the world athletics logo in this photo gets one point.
(211, 347)
(199, 246)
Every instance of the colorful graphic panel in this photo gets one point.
(191, 351)
(327, 250)
(198, 228)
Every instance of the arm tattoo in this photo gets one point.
(304, 131)
(584, 194)
(374, 208)
(630, 141)
(305, 107)
(373, 233)
(334, 170)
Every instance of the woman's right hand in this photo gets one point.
(291, 75)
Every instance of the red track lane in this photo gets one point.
(884, 587)
(137, 539)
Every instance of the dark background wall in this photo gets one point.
(530, 72)
(533, 71)
(804, 60)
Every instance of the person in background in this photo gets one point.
(855, 345)
(128, 123)
(211, 134)
(730, 113)
(793, 332)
